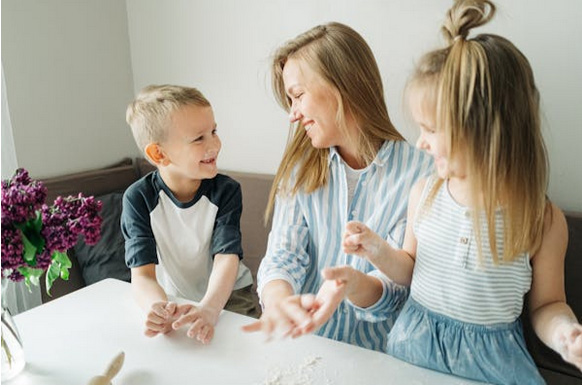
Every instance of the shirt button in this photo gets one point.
(354, 212)
(464, 240)
(365, 183)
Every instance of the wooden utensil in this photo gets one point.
(111, 370)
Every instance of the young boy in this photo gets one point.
(181, 223)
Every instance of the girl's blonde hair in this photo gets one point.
(345, 63)
(488, 105)
(150, 113)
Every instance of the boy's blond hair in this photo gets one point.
(150, 113)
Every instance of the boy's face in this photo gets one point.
(192, 144)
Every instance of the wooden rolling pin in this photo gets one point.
(110, 372)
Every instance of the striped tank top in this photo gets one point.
(450, 279)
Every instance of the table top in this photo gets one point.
(73, 338)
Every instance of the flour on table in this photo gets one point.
(304, 373)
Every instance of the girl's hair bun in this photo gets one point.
(465, 15)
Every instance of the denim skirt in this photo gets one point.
(494, 354)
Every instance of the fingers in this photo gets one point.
(355, 227)
(290, 317)
(338, 273)
(329, 297)
(252, 327)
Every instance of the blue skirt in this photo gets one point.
(494, 354)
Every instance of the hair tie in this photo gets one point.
(458, 37)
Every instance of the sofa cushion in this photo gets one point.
(106, 258)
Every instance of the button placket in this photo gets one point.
(464, 241)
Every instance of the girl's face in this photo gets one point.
(314, 104)
(431, 140)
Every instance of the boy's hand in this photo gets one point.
(203, 320)
(359, 239)
(569, 343)
(160, 317)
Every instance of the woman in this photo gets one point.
(344, 161)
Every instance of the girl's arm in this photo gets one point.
(553, 320)
(397, 264)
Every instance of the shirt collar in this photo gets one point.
(379, 160)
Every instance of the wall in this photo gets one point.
(68, 79)
(223, 47)
(69, 73)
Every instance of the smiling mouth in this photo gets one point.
(209, 161)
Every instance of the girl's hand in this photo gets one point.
(359, 239)
(202, 320)
(291, 316)
(569, 343)
(160, 317)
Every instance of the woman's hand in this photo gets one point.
(290, 316)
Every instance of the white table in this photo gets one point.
(71, 339)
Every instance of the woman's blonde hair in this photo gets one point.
(488, 105)
(345, 63)
(149, 114)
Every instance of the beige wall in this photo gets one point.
(68, 79)
(223, 47)
(69, 74)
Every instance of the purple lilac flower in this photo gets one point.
(62, 223)
(67, 218)
(21, 198)
(12, 249)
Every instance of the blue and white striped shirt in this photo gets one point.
(307, 231)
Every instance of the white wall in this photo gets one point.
(69, 75)
(223, 48)
(68, 79)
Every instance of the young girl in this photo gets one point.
(481, 233)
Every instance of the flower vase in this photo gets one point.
(13, 360)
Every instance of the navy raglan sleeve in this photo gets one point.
(140, 244)
(226, 238)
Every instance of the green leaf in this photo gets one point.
(52, 274)
(37, 222)
(29, 254)
(65, 263)
(31, 276)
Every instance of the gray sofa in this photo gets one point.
(106, 259)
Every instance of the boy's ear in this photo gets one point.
(156, 154)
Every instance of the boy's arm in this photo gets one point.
(145, 288)
(220, 283)
(204, 317)
(553, 320)
(150, 296)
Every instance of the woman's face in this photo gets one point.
(314, 104)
